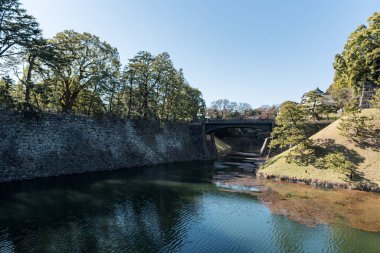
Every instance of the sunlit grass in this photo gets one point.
(221, 147)
(369, 168)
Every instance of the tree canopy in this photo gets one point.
(89, 63)
(17, 28)
(359, 61)
(79, 73)
(226, 109)
(291, 128)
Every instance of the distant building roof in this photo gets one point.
(319, 91)
(327, 98)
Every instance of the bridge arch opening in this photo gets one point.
(241, 135)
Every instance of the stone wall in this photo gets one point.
(368, 91)
(63, 144)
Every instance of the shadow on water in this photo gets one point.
(186, 207)
(98, 211)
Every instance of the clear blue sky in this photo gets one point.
(260, 52)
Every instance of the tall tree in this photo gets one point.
(291, 128)
(243, 108)
(359, 61)
(30, 66)
(126, 101)
(162, 69)
(266, 112)
(6, 99)
(318, 104)
(222, 108)
(17, 28)
(150, 87)
(168, 86)
(141, 67)
(89, 62)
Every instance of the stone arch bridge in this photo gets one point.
(264, 127)
(213, 125)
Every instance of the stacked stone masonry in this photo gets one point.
(368, 91)
(62, 144)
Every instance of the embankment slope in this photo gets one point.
(368, 166)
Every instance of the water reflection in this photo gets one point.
(138, 211)
(306, 204)
(176, 208)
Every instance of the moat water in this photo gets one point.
(191, 207)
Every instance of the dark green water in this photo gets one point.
(175, 208)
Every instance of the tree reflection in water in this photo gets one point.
(174, 208)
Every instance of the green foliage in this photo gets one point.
(314, 103)
(151, 87)
(78, 73)
(343, 96)
(303, 154)
(325, 154)
(6, 99)
(89, 62)
(17, 28)
(317, 104)
(291, 127)
(359, 61)
(357, 128)
(291, 130)
(338, 161)
(375, 102)
(29, 68)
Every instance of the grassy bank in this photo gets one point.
(366, 159)
(221, 146)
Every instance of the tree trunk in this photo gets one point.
(68, 99)
(129, 102)
(92, 100)
(28, 80)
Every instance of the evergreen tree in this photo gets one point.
(18, 30)
(89, 64)
(6, 99)
(291, 128)
(359, 61)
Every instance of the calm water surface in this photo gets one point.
(171, 208)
